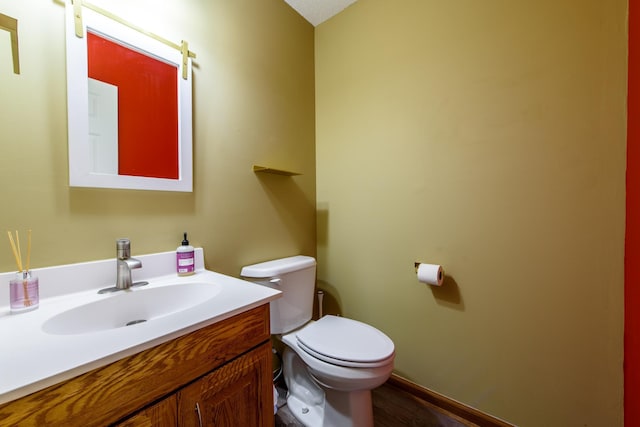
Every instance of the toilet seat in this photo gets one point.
(346, 342)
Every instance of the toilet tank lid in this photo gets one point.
(277, 267)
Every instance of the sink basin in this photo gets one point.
(130, 307)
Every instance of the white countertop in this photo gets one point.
(32, 359)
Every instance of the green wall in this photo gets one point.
(253, 103)
(488, 137)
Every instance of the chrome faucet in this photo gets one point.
(125, 264)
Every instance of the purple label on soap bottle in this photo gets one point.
(185, 262)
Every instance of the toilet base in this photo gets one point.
(349, 409)
(334, 413)
(316, 406)
(310, 416)
(345, 410)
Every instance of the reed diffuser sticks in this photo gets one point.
(28, 249)
(15, 247)
(16, 252)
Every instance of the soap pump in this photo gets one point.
(185, 259)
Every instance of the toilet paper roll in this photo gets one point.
(431, 274)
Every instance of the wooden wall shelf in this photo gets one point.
(265, 169)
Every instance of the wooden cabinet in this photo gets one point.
(162, 414)
(232, 396)
(225, 368)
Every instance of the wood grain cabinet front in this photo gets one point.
(161, 414)
(223, 370)
(235, 395)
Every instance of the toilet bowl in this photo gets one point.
(329, 365)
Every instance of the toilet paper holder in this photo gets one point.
(431, 274)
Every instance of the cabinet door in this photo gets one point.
(238, 394)
(162, 414)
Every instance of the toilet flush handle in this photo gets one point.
(268, 282)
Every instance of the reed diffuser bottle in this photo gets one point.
(24, 289)
(24, 292)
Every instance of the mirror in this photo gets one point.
(129, 107)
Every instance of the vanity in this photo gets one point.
(206, 361)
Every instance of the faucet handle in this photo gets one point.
(123, 248)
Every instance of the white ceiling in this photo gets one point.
(318, 11)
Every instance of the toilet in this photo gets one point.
(330, 365)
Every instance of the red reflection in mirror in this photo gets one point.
(147, 107)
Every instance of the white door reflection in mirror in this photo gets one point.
(103, 126)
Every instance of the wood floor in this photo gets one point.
(392, 407)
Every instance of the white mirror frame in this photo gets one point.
(80, 173)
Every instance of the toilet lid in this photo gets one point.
(345, 342)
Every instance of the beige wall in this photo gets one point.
(488, 137)
(253, 103)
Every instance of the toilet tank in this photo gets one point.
(296, 277)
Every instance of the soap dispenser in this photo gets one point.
(185, 258)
